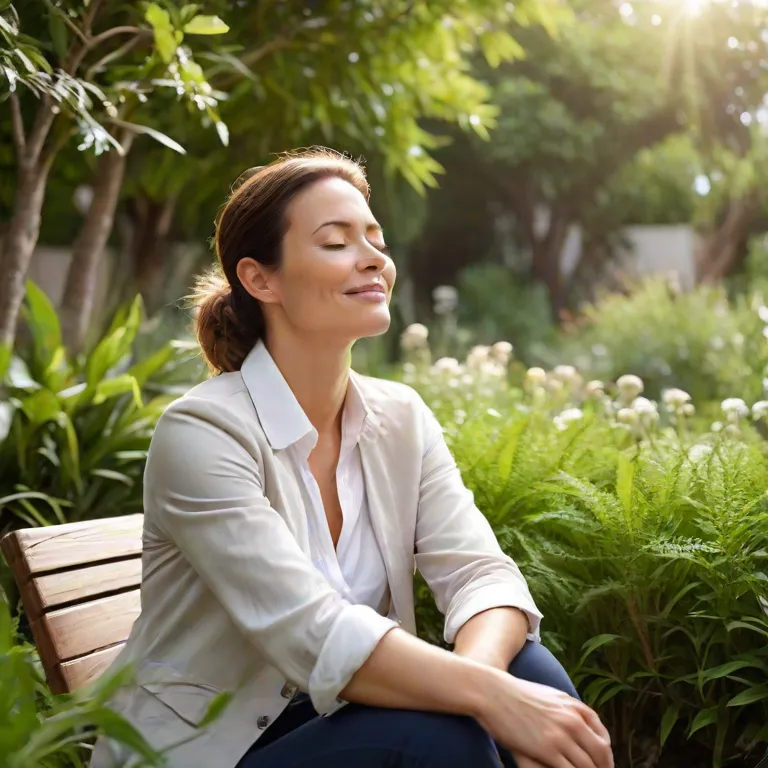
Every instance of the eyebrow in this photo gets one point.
(349, 225)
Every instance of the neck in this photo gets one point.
(317, 373)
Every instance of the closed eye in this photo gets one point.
(385, 249)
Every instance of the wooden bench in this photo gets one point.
(79, 584)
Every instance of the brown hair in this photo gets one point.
(252, 224)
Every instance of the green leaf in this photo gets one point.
(668, 720)
(750, 696)
(596, 642)
(116, 386)
(205, 25)
(723, 670)
(58, 32)
(6, 350)
(703, 719)
(215, 709)
(625, 474)
(41, 406)
(43, 324)
(111, 474)
(155, 134)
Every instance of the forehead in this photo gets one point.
(326, 200)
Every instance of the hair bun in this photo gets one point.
(223, 339)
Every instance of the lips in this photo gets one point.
(368, 288)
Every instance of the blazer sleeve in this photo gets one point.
(204, 492)
(456, 549)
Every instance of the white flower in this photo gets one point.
(491, 368)
(595, 388)
(445, 298)
(502, 351)
(449, 365)
(760, 410)
(414, 337)
(630, 386)
(477, 356)
(567, 374)
(493, 412)
(567, 417)
(646, 410)
(675, 399)
(535, 376)
(762, 312)
(688, 409)
(627, 416)
(699, 451)
(717, 426)
(734, 409)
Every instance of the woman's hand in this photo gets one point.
(543, 726)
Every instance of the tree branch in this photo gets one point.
(88, 20)
(17, 127)
(113, 55)
(76, 57)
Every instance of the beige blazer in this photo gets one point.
(230, 598)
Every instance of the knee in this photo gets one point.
(537, 664)
(447, 741)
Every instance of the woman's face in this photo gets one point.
(336, 276)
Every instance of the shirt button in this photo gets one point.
(289, 691)
(262, 722)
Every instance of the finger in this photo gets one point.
(527, 762)
(593, 721)
(579, 757)
(597, 748)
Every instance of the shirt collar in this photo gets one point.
(282, 418)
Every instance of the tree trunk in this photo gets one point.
(546, 260)
(34, 164)
(151, 246)
(88, 249)
(18, 248)
(719, 251)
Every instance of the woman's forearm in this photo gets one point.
(404, 672)
(493, 637)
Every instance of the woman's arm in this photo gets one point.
(493, 637)
(533, 721)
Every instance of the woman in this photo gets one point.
(287, 501)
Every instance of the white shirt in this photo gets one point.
(355, 568)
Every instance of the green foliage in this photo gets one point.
(39, 730)
(645, 550)
(74, 433)
(699, 341)
(496, 303)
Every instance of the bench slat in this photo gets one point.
(81, 629)
(80, 672)
(55, 589)
(39, 550)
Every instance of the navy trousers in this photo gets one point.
(371, 737)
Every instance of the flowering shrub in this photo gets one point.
(699, 341)
(643, 531)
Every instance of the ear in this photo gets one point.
(255, 278)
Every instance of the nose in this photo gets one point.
(372, 259)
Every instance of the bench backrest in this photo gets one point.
(79, 584)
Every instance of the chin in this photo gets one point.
(375, 326)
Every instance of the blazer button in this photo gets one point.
(262, 722)
(289, 691)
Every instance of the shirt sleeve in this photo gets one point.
(204, 491)
(456, 549)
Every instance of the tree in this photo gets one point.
(573, 113)
(71, 76)
(364, 77)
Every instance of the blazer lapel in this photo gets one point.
(391, 533)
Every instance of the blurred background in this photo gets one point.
(533, 155)
(576, 196)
